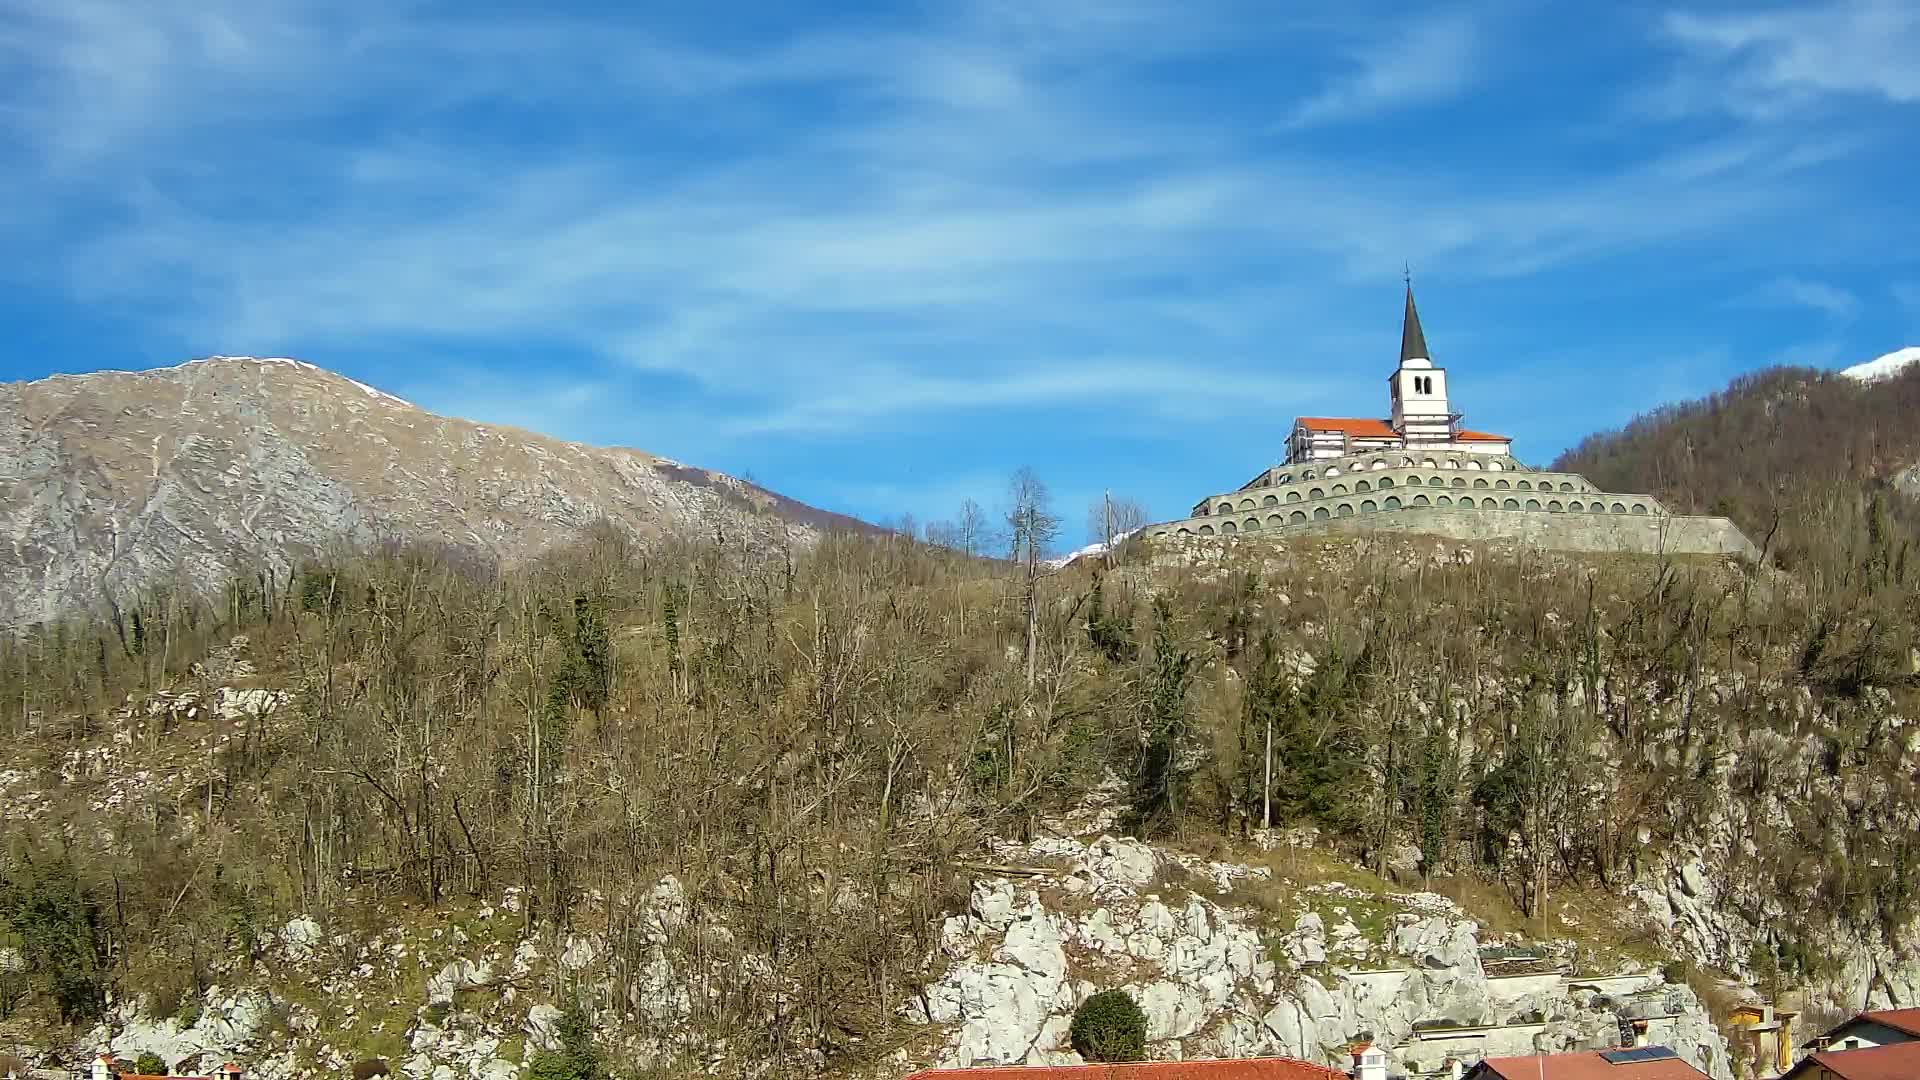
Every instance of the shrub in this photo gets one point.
(149, 1064)
(577, 1059)
(369, 1068)
(1110, 1027)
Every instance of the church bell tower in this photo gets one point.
(1419, 389)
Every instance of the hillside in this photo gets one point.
(1803, 460)
(237, 469)
(819, 815)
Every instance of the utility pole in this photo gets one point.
(1266, 787)
(1107, 550)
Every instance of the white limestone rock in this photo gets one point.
(456, 976)
(1173, 1010)
(1308, 942)
(299, 938)
(1291, 1027)
(667, 907)
(543, 1027)
(1693, 878)
(1124, 862)
(580, 953)
(1439, 943)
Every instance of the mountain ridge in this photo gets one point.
(1884, 367)
(116, 482)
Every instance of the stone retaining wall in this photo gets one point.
(1674, 534)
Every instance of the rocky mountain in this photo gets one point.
(231, 467)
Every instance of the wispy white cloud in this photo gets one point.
(1763, 62)
(1433, 59)
(1817, 295)
(993, 213)
(1172, 391)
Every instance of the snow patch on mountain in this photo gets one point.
(1091, 550)
(1884, 367)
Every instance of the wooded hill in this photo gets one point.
(817, 743)
(1803, 461)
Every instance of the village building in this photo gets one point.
(1880, 1044)
(1876, 1027)
(1267, 1068)
(1639, 1063)
(1896, 1061)
(1419, 470)
(1767, 1033)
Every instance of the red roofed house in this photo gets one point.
(1220, 1069)
(1877, 1027)
(1418, 417)
(1638, 1063)
(1895, 1061)
(108, 1067)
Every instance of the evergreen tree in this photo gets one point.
(1160, 787)
(577, 1058)
(44, 906)
(592, 670)
(671, 616)
(1111, 634)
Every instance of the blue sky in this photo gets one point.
(878, 255)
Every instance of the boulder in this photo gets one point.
(1439, 943)
(299, 938)
(1173, 1011)
(1693, 878)
(456, 976)
(1403, 863)
(1308, 942)
(1122, 862)
(1290, 1027)
(543, 1027)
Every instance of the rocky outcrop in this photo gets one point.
(1213, 983)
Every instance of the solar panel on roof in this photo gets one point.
(1638, 1053)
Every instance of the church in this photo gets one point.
(1420, 471)
(1418, 416)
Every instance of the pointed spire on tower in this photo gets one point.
(1413, 343)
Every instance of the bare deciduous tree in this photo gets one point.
(1032, 527)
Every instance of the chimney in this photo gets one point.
(1369, 1062)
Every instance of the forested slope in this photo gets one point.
(1808, 459)
(805, 756)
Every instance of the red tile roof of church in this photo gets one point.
(1364, 427)
(1205, 1069)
